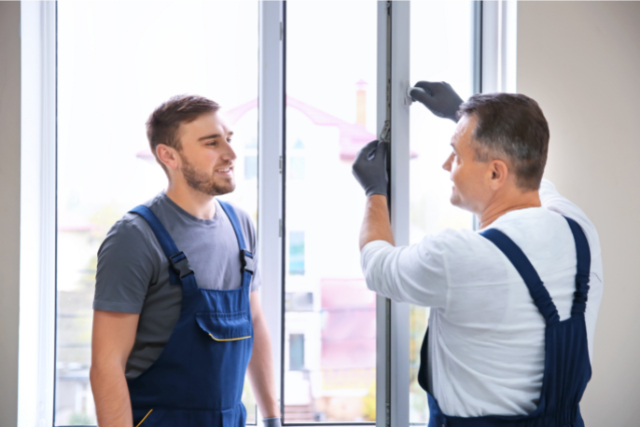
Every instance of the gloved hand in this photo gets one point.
(370, 168)
(438, 97)
(272, 422)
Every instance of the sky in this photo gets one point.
(117, 64)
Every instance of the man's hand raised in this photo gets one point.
(370, 168)
(438, 97)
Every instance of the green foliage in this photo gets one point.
(80, 419)
(417, 328)
(369, 403)
(249, 403)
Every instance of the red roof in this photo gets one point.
(353, 136)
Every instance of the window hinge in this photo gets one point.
(280, 165)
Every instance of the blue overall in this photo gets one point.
(199, 376)
(567, 369)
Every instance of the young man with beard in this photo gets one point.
(177, 319)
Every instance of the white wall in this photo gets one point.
(581, 62)
(9, 208)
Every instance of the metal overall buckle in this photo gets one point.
(246, 259)
(180, 264)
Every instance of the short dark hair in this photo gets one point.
(512, 126)
(164, 122)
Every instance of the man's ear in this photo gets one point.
(499, 173)
(168, 156)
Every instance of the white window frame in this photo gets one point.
(36, 363)
(499, 45)
(495, 60)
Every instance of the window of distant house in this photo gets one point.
(298, 301)
(296, 352)
(296, 161)
(296, 252)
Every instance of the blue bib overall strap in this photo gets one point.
(246, 257)
(567, 369)
(198, 378)
(179, 266)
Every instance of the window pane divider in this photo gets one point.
(271, 113)
(392, 374)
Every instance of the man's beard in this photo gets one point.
(203, 182)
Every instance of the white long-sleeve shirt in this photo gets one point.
(486, 336)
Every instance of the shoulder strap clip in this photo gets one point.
(180, 264)
(246, 259)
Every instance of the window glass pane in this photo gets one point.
(440, 51)
(117, 62)
(331, 98)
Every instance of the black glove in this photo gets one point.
(272, 422)
(370, 168)
(439, 98)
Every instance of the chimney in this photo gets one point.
(361, 102)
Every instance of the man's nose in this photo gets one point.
(447, 164)
(229, 153)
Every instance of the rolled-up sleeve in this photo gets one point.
(415, 274)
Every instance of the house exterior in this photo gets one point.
(330, 329)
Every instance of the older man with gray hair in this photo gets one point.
(510, 331)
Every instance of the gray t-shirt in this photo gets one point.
(133, 272)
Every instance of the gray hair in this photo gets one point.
(510, 127)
